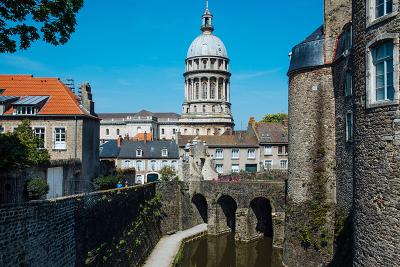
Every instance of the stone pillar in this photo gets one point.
(278, 226)
(223, 89)
(212, 219)
(246, 223)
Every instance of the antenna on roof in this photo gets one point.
(69, 82)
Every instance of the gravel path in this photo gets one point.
(165, 251)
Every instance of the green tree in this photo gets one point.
(21, 148)
(24, 21)
(275, 118)
(168, 174)
(37, 188)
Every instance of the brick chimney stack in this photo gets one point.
(86, 98)
(145, 137)
(119, 141)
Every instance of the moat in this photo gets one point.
(223, 251)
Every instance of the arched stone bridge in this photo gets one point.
(251, 209)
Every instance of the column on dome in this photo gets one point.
(224, 90)
(209, 88)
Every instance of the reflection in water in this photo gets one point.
(222, 251)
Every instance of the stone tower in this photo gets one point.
(309, 228)
(207, 108)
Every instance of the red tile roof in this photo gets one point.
(62, 101)
(141, 137)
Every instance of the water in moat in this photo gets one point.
(223, 251)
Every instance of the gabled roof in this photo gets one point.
(61, 101)
(240, 140)
(151, 149)
(271, 133)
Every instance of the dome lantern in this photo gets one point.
(207, 25)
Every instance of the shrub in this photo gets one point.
(37, 188)
(106, 182)
(168, 174)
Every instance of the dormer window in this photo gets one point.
(164, 152)
(139, 152)
(29, 105)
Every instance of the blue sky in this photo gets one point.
(133, 52)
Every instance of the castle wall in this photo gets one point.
(376, 187)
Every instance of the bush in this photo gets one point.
(168, 174)
(106, 182)
(37, 188)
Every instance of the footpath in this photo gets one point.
(166, 249)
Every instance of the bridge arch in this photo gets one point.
(200, 202)
(263, 209)
(228, 205)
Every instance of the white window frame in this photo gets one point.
(265, 164)
(127, 164)
(371, 77)
(219, 168)
(39, 134)
(164, 164)
(153, 165)
(372, 19)
(251, 153)
(164, 152)
(59, 144)
(219, 153)
(349, 128)
(139, 165)
(283, 167)
(235, 153)
(267, 149)
(234, 169)
(139, 152)
(174, 165)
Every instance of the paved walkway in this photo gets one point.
(164, 253)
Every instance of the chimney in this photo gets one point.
(145, 137)
(86, 98)
(252, 121)
(119, 141)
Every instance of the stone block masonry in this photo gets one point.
(91, 229)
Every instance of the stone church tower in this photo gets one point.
(207, 107)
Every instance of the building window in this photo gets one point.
(204, 109)
(174, 165)
(251, 154)
(349, 126)
(282, 150)
(127, 164)
(59, 138)
(268, 164)
(164, 152)
(213, 108)
(118, 132)
(283, 164)
(153, 165)
(204, 91)
(139, 152)
(204, 64)
(383, 7)
(173, 131)
(268, 150)
(219, 153)
(348, 86)
(382, 60)
(25, 110)
(107, 131)
(235, 168)
(197, 91)
(195, 109)
(219, 168)
(164, 164)
(212, 90)
(197, 131)
(139, 165)
(162, 131)
(40, 133)
(235, 153)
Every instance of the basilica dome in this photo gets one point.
(207, 45)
